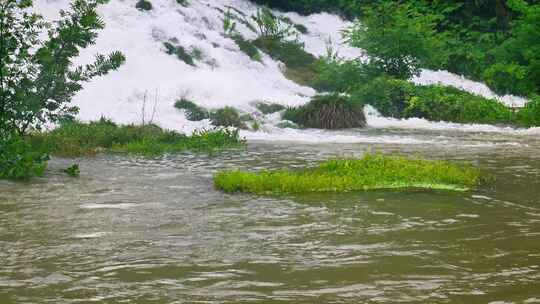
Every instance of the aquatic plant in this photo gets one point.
(182, 53)
(144, 5)
(227, 117)
(373, 171)
(332, 111)
(269, 108)
(73, 170)
(193, 111)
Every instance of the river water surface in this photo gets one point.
(134, 230)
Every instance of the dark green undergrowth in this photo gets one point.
(401, 99)
(74, 139)
(331, 111)
(342, 175)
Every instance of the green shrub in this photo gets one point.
(193, 111)
(400, 99)
(508, 78)
(79, 139)
(439, 103)
(227, 117)
(338, 75)
(144, 5)
(529, 116)
(269, 108)
(19, 161)
(328, 112)
(386, 94)
(343, 175)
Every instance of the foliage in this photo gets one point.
(342, 175)
(269, 108)
(328, 112)
(79, 139)
(193, 111)
(401, 99)
(529, 116)
(144, 5)
(440, 103)
(227, 117)
(338, 75)
(38, 78)
(73, 170)
(18, 161)
(398, 38)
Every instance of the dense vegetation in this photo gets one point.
(368, 173)
(497, 42)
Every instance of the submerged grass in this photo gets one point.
(373, 171)
(74, 139)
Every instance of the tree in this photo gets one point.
(397, 37)
(37, 77)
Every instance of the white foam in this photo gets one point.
(225, 76)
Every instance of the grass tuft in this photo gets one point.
(373, 171)
(331, 111)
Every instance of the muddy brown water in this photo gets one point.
(134, 230)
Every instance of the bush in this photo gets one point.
(343, 175)
(400, 99)
(386, 94)
(193, 111)
(328, 112)
(227, 117)
(397, 36)
(529, 116)
(79, 139)
(144, 5)
(508, 78)
(19, 161)
(338, 75)
(439, 103)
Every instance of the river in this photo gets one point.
(135, 230)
